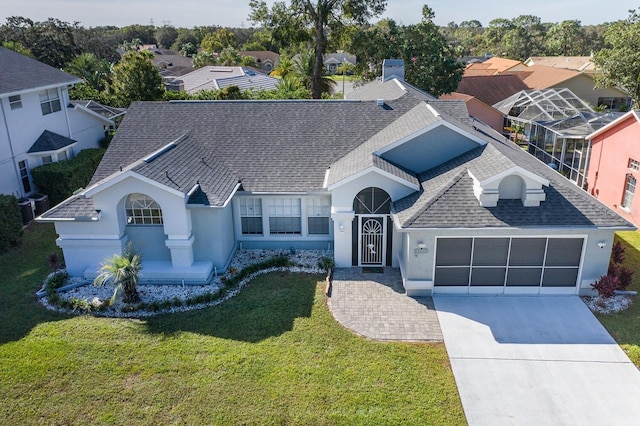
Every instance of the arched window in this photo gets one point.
(142, 210)
(372, 201)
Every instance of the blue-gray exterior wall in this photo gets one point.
(430, 149)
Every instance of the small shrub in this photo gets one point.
(57, 279)
(606, 286)
(10, 222)
(233, 270)
(625, 277)
(326, 263)
(617, 253)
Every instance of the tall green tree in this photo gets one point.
(135, 78)
(430, 62)
(166, 35)
(219, 40)
(122, 271)
(314, 19)
(51, 41)
(95, 72)
(620, 61)
(566, 39)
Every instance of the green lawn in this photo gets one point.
(272, 355)
(625, 326)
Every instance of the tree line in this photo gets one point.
(311, 29)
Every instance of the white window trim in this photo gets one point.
(15, 103)
(266, 236)
(50, 100)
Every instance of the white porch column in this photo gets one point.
(181, 248)
(342, 236)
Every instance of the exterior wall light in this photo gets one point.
(602, 244)
(341, 227)
(422, 248)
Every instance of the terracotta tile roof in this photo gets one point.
(491, 89)
(491, 66)
(543, 77)
(577, 63)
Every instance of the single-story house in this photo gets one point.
(218, 77)
(405, 181)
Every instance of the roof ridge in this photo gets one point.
(434, 198)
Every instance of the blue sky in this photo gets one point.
(233, 13)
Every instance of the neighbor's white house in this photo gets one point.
(391, 178)
(38, 122)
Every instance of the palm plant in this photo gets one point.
(121, 270)
(303, 69)
(284, 68)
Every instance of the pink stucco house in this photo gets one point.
(614, 165)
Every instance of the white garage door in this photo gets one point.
(508, 265)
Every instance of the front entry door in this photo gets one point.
(372, 239)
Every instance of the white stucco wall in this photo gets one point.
(342, 213)
(87, 244)
(22, 126)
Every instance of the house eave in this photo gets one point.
(373, 169)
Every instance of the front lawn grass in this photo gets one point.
(271, 355)
(625, 326)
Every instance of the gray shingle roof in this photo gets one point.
(388, 90)
(271, 146)
(447, 198)
(19, 73)
(286, 146)
(49, 141)
(76, 207)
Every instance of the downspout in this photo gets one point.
(13, 156)
(66, 113)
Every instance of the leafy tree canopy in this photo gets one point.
(620, 60)
(135, 78)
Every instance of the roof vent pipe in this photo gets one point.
(380, 102)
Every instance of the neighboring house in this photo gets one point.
(170, 63)
(576, 63)
(492, 66)
(615, 165)
(396, 178)
(580, 83)
(480, 111)
(333, 61)
(491, 89)
(556, 125)
(112, 114)
(265, 59)
(38, 122)
(218, 77)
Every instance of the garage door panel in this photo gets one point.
(527, 251)
(561, 277)
(488, 276)
(490, 251)
(524, 277)
(502, 264)
(453, 252)
(564, 252)
(452, 276)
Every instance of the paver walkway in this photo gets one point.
(375, 305)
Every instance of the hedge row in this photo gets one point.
(10, 222)
(60, 180)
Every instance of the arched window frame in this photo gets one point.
(142, 210)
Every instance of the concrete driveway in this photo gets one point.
(536, 361)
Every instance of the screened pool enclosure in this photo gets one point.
(555, 123)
